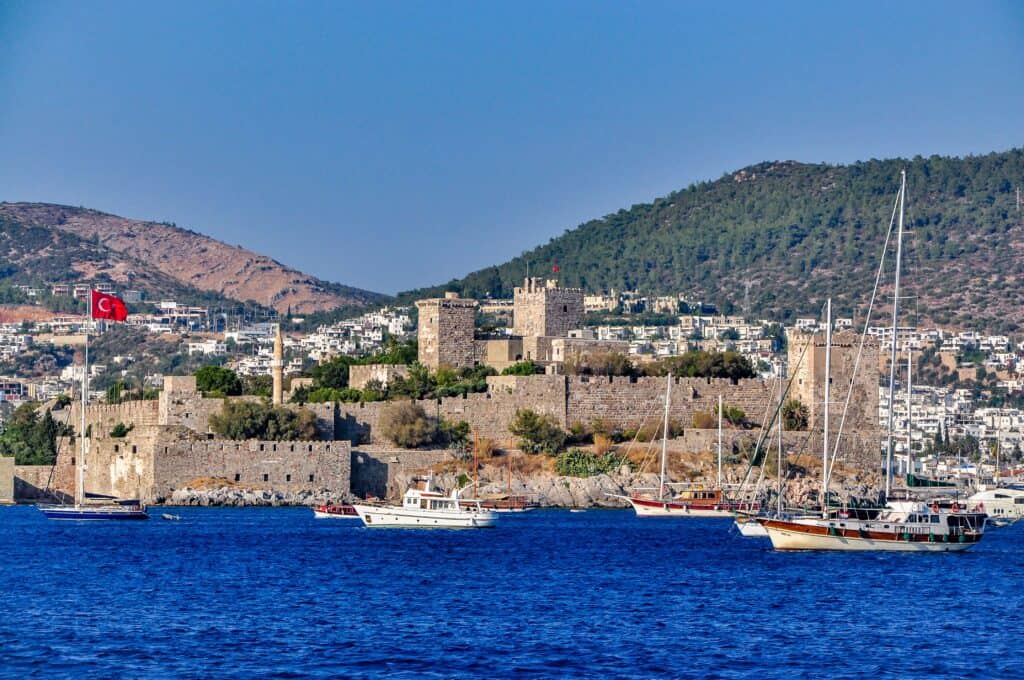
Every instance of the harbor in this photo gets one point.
(259, 592)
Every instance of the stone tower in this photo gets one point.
(277, 367)
(542, 309)
(808, 383)
(446, 329)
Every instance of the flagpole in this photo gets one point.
(80, 491)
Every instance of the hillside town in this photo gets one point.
(965, 384)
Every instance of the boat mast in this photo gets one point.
(664, 438)
(910, 391)
(719, 441)
(895, 311)
(828, 381)
(782, 393)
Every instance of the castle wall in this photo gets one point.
(6, 479)
(627, 403)
(282, 466)
(382, 473)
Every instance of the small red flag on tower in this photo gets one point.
(555, 269)
(108, 307)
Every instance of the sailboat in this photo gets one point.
(690, 500)
(91, 506)
(919, 528)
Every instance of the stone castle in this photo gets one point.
(170, 443)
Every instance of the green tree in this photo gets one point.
(31, 438)
(217, 381)
(537, 433)
(332, 373)
(259, 420)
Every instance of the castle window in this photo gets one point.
(238, 477)
(287, 478)
(165, 449)
(72, 460)
(291, 447)
(262, 447)
(565, 308)
(311, 478)
(309, 448)
(134, 450)
(116, 448)
(266, 477)
(273, 447)
(327, 448)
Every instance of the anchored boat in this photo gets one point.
(428, 509)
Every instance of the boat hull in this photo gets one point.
(655, 508)
(335, 512)
(83, 514)
(751, 528)
(796, 536)
(376, 516)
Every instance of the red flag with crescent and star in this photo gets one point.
(108, 307)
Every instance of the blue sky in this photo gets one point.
(394, 145)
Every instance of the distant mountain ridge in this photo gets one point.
(189, 258)
(785, 235)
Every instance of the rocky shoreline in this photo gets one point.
(550, 491)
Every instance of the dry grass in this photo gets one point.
(602, 444)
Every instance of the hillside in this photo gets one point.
(188, 258)
(801, 232)
(39, 255)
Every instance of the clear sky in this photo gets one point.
(394, 145)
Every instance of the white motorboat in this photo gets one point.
(428, 509)
(999, 503)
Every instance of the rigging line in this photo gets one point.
(764, 422)
(863, 339)
(778, 408)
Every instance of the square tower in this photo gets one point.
(542, 309)
(445, 334)
(808, 382)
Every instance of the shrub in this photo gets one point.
(121, 430)
(454, 435)
(702, 420)
(522, 368)
(794, 415)
(484, 448)
(602, 444)
(260, 420)
(406, 424)
(537, 433)
(581, 463)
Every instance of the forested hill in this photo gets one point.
(799, 233)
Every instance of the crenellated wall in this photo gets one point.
(282, 466)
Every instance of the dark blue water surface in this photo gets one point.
(273, 592)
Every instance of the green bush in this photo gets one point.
(582, 463)
(260, 420)
(121, 430)
(537, 433)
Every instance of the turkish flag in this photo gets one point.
(555, 269)
(108, 307)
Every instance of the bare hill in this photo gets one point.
(193, 259)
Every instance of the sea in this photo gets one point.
(273, 592)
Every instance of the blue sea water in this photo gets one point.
(275, 593)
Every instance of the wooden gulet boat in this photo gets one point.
(923, 529)
(689, 500)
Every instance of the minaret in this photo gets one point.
(277, 367)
